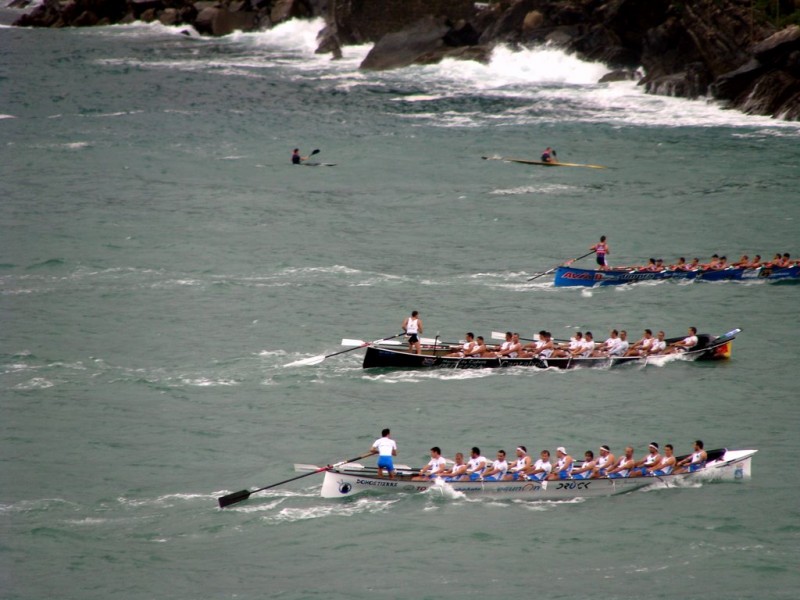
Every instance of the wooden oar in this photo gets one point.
(423, 340)
(302, 468)
(245, 494)
(315, 360)
(499, 335)
(361, 343)
(569, 262)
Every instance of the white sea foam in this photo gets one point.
(37, 383)
(7, 117)
(295, 35)
(360, 506)
(424, 376)
(552, 188)
(554, 86)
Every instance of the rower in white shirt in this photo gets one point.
(584, 471)
(684, 345)
(657, 346)
(623, 466)
(458, 469)
(586, 348)
(476, 464)
(607, 347)
(466, 347)
(540, 469)
(645, 465)
(522, 463)
(513, 349)
(641, 347)
(622, 345)
(695, 461)
(605, 461)
(666, 465)
(567, 348)
(497, 470)
(436, 465)
(563, 467)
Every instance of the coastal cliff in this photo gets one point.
(745, 53)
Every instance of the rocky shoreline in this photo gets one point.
(722, 49)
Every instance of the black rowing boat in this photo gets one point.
(708, 347)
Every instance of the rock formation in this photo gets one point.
(209, 17)
(727, 49)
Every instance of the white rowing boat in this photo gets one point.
(344, 481)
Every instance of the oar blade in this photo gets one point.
(233, 498)
(353, 342)
(305, 362)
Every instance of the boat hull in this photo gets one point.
(732, 465)
(377, 357)
(573, 277)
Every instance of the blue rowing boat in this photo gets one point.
(571, 276)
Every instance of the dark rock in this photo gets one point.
(86, 19)
(778, 45)
(283, 10)
(403, 48)
(620, 75)
(363, 21)
(481, 54)
(148, 16)
(772, 94)
(138, 7)
(507, 27)
(219, 21)
(562, 36)
(462, 34)
(601, 44)
(169, 16)
(733, 85)
(532, 21)
(691, 83)
(668, 85)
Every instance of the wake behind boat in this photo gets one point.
(567, 276)
(348, 480)
(378, 355)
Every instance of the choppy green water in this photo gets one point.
(161, 262)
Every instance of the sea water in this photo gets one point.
(162, 261)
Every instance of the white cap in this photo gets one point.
(561, 449)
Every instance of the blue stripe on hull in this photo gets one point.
(571, 277)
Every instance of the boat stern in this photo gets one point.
(340, 485)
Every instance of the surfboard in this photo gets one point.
(316, 164)
(542, 163)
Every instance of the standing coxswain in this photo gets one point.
(413, 327)
(601, 249)
(385, 447)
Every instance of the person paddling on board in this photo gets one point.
(296, 158)
(549, 155)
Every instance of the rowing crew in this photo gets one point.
(579, 346)
(606, 465)
(717, 263)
